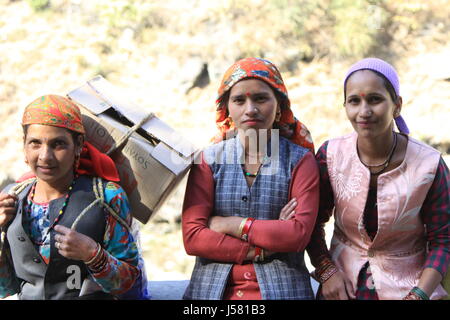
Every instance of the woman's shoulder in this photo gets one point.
(346, 137)
(216, 152)
(218, 145)
(422, 146)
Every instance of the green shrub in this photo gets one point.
(39, 5)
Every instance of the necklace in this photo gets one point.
(61, 211)
(249, 174)
(385, 164)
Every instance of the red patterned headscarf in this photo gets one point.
(261, 69)
(57, 111)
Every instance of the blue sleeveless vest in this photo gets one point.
(281, 276)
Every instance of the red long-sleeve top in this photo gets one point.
(274, 235)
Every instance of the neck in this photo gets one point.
(254, 142)
(46, 191)
(376, 148)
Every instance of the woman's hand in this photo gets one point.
(337, 287)
(74, 245)
(225, 225)
(7, 208)
(288, 210)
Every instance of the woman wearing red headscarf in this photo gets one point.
(251, 204)
(61, 242)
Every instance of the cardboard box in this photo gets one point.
(151, 161)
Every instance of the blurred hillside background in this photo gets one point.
(170, 56)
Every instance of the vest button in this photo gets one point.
(244, 198)
(21, 239)
(37, 260)
(370, 253)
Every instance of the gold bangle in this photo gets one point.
(241, 227)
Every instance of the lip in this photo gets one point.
(252, 121)
(365, 124)
(46, 169)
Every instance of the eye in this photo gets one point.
(261, 99)
(238, 100)
(353, 100)
(374, 99)
(34, 143)
(59, 144)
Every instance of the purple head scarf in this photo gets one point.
(389, 73)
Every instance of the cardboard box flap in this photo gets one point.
(116, 99)
(173, 139)
(87, 97)
(99, 95)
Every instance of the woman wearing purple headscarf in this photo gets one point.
(390, 197)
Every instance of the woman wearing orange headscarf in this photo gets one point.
(61, 242)
(251, 204)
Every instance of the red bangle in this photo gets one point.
(246, 229)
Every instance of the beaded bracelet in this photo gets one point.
(246, 228)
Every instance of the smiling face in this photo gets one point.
(368, 104)
(50, 152)
(252, 105)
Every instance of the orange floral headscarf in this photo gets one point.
(53, 110)
(57, 111)
(261, 69)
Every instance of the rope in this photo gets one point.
(130, 131)
(18, 188)
(97, 186)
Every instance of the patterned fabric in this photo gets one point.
(282, 276)
(366, 286)
(36, 225)
(242, 283)
(53, 110)
(123, 256)
(434, 213)
(261, 69)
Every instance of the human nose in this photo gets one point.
(250, 108)
(365, 110)
(45, 153)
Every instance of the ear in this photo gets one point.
(398, 107)
(278, 114)
(80, 142)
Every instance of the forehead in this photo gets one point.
(40, 131)
(365, 81)
(250, 85)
